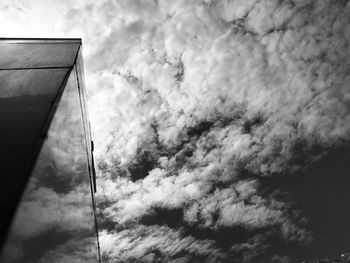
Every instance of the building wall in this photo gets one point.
(55, 218)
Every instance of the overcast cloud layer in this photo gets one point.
(199, 110)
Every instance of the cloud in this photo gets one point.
(219, 93)
(151, 244)
(195, 105)
(229, 58)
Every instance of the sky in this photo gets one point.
(221, 128)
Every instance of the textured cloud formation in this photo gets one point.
(192, 63)
(209, 97)
(195, 105)
(146, 244)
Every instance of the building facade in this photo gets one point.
(48, 179)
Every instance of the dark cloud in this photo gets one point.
(144, 162)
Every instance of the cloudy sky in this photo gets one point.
(222, 128)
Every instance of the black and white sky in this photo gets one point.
(221, 127)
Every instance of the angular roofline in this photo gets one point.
(49, 42)
(41, 40)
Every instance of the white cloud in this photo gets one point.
(270, 78)
(147, 244)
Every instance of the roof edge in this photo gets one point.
(41, 40)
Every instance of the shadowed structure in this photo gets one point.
(47, 201)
